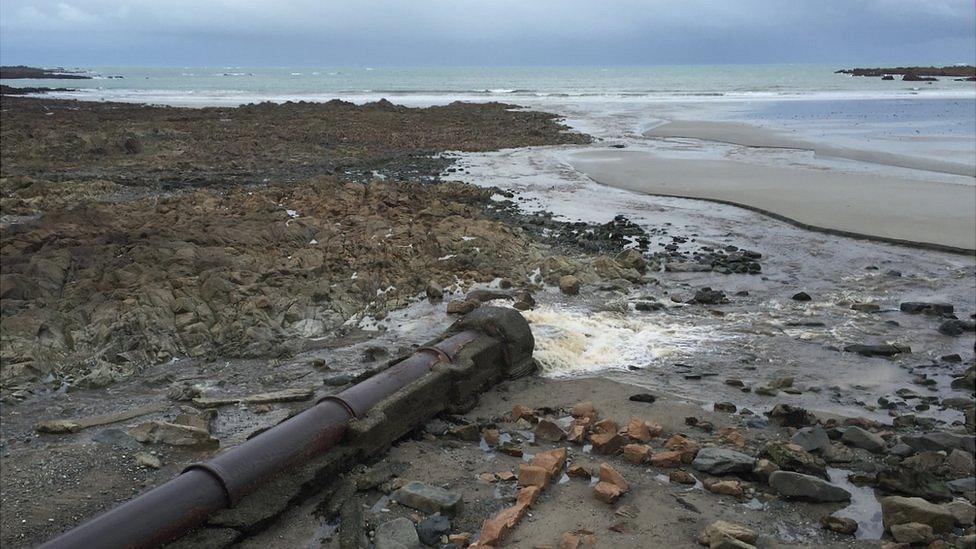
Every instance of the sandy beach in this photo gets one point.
(880, 207)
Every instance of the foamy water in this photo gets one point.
(571, 343)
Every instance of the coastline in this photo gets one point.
(875, 207)
(756, 333)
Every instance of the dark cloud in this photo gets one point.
(486, 32)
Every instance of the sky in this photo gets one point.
(484, 33)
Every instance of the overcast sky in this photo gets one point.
(485, 32)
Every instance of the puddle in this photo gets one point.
(864, 508)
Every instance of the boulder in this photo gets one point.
(148, 460)
(431, 529)
(811, 439)
(607, 443)
(897, 510)
(462, 306)
(666, 460)
(607, 492)
(792, 457)
(726, 488)
(883, 349)
(721, 530)
(940, 441)
(569, 285)
(637, 453)
(955, 327)
(809, 488)
(912, 533)
(791, 416)
(161, 432)
(434, 291)
(920, 307)
(397, 534)
(708, 296)
(960, 463)
(722, 461)
(685, 446)
(57, 426)
(429, 499)
(866, 440)
(841, 525)
(963, 511)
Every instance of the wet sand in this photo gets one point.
(749, 135)
(932, 214)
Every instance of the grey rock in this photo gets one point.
(912, 532)
(116, 437)
(569, 285)
(806, 487)
(965, 486)
(918, 307)
(338, 380)
(883, 349)
(837, 453)
(721, 461)
(161, 432)
(940, 441)
(961, 464)
(429, 499)
(901, 450)
(397, 534)
(708, 296)
(840, 525)
(901, 510)
(791, 416)
(148, 460)
(859, 438)
(434, 291)
(956, 327)
(432, 528)
(811, 439)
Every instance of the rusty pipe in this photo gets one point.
(183, 503)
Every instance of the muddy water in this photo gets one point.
(761, 334)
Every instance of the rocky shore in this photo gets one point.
(10, 72)
(113, 260)
(176, 281)
(964, 72)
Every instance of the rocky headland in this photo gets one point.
(11, 72)
(916, 74)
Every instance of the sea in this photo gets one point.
(235, 85)
(930, 118)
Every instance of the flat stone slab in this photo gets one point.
(285, 395)
(806, 487)
(429, 499)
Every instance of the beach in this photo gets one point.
(785, 274)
